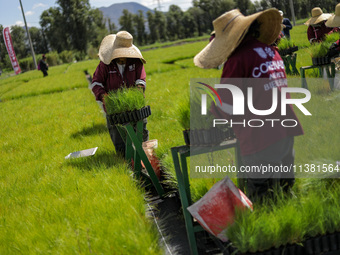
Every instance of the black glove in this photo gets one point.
(332, 53)
(333, 46)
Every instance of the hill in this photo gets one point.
(114, 11)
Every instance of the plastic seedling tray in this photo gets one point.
(83, 153)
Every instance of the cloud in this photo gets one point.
(39, 5)
(19, 23)
(29, 13)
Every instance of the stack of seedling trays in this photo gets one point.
(319, 51)
(287, 47)
(126, 105)
(126, 110)
(207, 137)
(306, 223)
(326, 245)
(130, 116)
(204, 136)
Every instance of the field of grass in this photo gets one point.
(93, 205)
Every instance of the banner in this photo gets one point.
(10, 50)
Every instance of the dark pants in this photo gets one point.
(278, 160)
(117, 139)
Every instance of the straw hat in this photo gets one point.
(317, 16)
(230, 28)
(118, 46)
(334, 21)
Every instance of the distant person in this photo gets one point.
(287, 26)
(334, 23)
(43, 66)
(120, 66)
(316, 25)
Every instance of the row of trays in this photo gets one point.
(130, 116)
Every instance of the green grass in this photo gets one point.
(124, 100)
(52, 205)
(313, 209)
(93, 205)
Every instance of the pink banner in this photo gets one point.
(10, 50)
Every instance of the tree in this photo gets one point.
(189, 25)
(112, 27)
(52, 27)
(20, 44)
(139, 25)
(96, 27)
(76, 22)
(72, 25)
(203, 25)
(160, 20)
(38, 40)
(174, 18)
(214, 8)
(244, 6)
(154, 35)
(126, 22)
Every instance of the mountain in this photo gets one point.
(114, 11)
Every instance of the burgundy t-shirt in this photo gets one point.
(317, 34)
(108, 77)
(263, 68)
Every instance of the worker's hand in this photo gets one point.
(332, 53)
(142, 88)
(333, 46)
(103, 96)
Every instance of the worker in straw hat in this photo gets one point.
(316, 25)
(334, 23)
(120, 66)
(244, 44)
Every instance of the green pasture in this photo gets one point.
(93, 205)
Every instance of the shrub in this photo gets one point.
(52, 58)
(79, 55)
(66, 56)
(92, 52)
(27, 64)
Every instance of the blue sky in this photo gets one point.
(10, 12)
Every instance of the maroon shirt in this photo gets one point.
(108, 77)
(317, 34)
(253, 59)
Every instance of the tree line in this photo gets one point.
(73, 25)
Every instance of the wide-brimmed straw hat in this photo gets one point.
(118, 46)
(317, 16)
(334, 21)
(230, 28)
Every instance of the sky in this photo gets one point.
(11, 14)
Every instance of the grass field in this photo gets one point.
(93, 205)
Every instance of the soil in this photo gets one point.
(167, 214)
